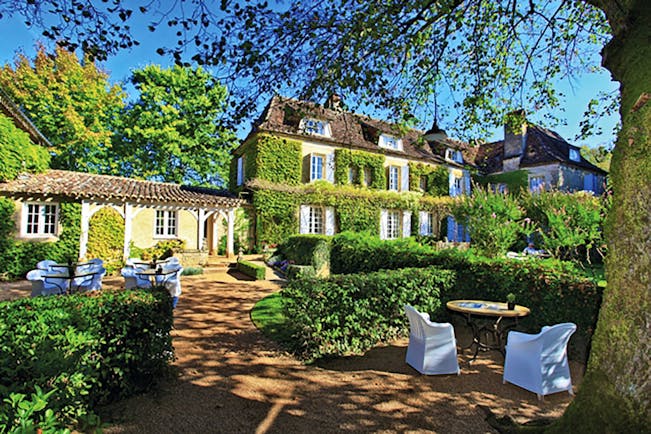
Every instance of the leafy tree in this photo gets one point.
(599, 156)
(395, 54)
(18, 153)
(172, 131)
(70, 102)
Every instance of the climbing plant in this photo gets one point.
(436, 177)
(362, 163)
(106, 238)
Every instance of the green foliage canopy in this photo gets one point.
(18, 153)
(70, 102)
(172, 132)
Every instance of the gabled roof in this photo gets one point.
(11, 110)
(76, 185)
(283, 116)
(542, 146)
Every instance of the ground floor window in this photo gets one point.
(426, 223)
(315, 219)
(166, 223)
(40, 219)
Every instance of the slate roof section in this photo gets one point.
(77, 185)
(283, 116)
(542, 147)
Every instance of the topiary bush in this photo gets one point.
(258, 272)
(352, 313)
(79, 351)
(313, 250)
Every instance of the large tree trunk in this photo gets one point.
(616, 389)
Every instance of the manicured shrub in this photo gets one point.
(300, 272)
(163, 249)
(352, 313)
(258, 272)
(313, 250)
(82, 350)
(192, 271)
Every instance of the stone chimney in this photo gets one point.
(515, 139)
(334, 102)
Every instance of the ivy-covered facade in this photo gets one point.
(322, 170)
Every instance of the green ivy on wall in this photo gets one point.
(360, 162)
(106, 238)
(18, 257)
(437, 178)
(515, 181)
(271, 158)
(356, 209)
(18, 153)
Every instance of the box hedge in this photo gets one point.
(258, 272)
(81, 351)
(311, 250)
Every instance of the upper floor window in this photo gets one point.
(575, 155)
(422, 183)
(390, 142)
(317, 167)
(352, 175)
(315, 126)
(394, 178)
(40, 219)
(165, 224)
(367, 177)
(453, 155)
(456, 188)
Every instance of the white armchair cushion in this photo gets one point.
(538, 363)
(432, 346)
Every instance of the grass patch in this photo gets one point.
(269, 317)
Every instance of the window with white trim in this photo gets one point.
(390, 142)
(453, 155)
(426, 226)
(575, 154)
(165, 223)
(315, 222)
(316, 127)
(394, 224)
(40, 219)
(317, 167)
(394, 178)
(536, 183)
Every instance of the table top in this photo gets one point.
(155, 272)
(487, 308)
(68, 276)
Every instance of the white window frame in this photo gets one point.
(426, 223)
(453, 155)
(394, 224)
(394, 178)
(536, 183)
(352, 171)
(390, 142)
(43, 229)
(315, 127)
(575, 154)
(314, 175)
(170, 223)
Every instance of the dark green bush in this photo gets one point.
(352, 313)
(82, 350)
(300, 272)
(258, 272)
(192, 271)
(311, 250)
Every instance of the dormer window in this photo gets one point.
(453, 155)
(575, 155)
(316, 127)
(390, 142)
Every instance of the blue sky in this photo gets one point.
(578, 92)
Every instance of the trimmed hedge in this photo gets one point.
(311, 250)
(81, 351)
(300, 272)
(258, 272)
(352, 313)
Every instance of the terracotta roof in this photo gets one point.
(10, 109)
(542, 146)
(88, 186)
(283, 115)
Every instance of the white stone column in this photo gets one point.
(128, 225)
(230, 236)
(201, 219)
(85, 224)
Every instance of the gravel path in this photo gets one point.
(232, 379)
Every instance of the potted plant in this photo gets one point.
(510, 300)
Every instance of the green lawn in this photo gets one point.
(268, 316)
